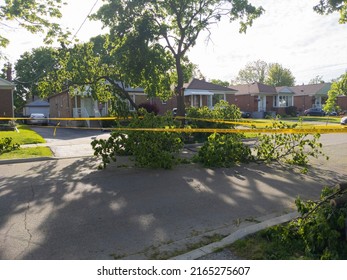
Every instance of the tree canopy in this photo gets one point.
(279, 76)
(107, 69)
(175, 25)
(34, 15)
(29, 69)
(331, 6)
(337, 88)
(220, 82)
(255, 71)
(316, 80)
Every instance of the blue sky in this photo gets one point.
(289, 33)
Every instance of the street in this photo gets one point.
(68, 209)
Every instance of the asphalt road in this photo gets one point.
(67, 209)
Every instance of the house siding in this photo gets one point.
(6, 103)
(60, 106)
(342, 102)
(165, 106)
(247, 103)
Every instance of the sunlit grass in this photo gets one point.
(27, 153)
(24, 136)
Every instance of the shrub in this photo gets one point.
(291, 148)
(222, 111)
(223, 151)
(320, 232)
(6, 145)
(149, 149)
(150, 107)
(291, 111)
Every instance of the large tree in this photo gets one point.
(279, 76)
(33, 15)
(108, 69)
(29, 69)
(255, 71)
(175, 24)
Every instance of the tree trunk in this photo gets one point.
(179, 91)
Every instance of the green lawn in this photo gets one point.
(328, 119)
(27, 153)
(260, 247)
(24, 136)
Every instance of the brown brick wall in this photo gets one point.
(6, 103)
(303, 102)
(166, 106)
(246, 103)
(342, 102)
(60, 106)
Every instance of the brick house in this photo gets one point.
(199, 93)
(83, 105)
(6, 99)
(258, 98)
(308, 96)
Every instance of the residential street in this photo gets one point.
(68, 209)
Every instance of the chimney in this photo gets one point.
(9, 72)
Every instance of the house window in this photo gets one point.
(196, 100)
(283, 101)
(217, 97)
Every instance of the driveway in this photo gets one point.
(67, 142)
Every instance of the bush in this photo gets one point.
(320, 232)
(222, 111)
(291, 148)
(291, 111)
(150, 108)
(223, 151)
(6, 145)
(149, 149)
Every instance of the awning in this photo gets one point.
(188, 92)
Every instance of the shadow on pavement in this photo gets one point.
(68, 209)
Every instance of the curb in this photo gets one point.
(239, 234)
(24, 160)
(37, 159)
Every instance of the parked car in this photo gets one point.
(245, 114)
(314, 112)
(344, 121)
(38, 118)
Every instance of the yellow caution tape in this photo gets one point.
(247, 127)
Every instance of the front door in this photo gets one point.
(262, 104)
